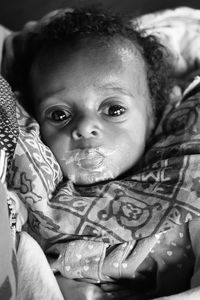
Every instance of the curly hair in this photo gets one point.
(81, 24)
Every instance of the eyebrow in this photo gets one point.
(112, 86)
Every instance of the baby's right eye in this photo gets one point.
(58, 116)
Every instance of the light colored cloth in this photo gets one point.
(179, 30)
(36, 279)
(8, 262)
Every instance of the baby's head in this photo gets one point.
(97, 87)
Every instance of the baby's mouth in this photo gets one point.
(89, 165)
(89, 159)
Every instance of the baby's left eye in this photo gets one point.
(115, 110)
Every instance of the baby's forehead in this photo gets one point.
(120, 61)
(105, 50)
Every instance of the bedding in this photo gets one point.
(120, 228)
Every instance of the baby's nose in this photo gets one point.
(86, 127)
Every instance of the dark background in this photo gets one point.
(14, 13)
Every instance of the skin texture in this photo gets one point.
(93, 106)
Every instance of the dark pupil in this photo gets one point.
(58, 115)
(115, 110)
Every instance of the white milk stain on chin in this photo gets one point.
(90, 165)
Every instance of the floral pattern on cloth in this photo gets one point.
(137, 227)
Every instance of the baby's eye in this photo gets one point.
(115, 110)
(59, 116)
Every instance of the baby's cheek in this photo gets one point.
(57, 143)
(130, 152)
(47, 136)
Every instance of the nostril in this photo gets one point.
(76, 135)
(84, 133)
(94, 133)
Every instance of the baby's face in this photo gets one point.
(94, 110)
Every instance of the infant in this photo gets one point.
(98, 86)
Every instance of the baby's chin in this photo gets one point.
(90, 177)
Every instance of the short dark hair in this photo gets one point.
(80, 24)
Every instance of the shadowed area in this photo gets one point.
(14, 14)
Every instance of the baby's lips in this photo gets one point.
(94, 160)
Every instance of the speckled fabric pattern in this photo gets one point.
(8, 121)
